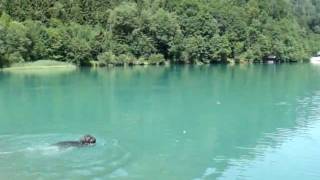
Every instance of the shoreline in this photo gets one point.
(95, 64)
(183, 64)
(37, 67)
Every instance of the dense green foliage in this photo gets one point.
(129, 31)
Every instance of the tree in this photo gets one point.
(193, 31)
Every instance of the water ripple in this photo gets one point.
(32, 156)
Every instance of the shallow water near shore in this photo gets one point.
(178, 122)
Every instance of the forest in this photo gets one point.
(158, 31)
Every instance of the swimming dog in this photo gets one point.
(83, 142)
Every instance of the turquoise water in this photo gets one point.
(181, 122)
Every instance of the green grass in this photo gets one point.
(41, 66)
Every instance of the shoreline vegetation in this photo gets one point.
(157, 32)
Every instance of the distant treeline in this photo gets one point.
(155, 31)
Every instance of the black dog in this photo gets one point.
(84, 141)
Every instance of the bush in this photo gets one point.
(142, 60)
(15, 57)
(156, 59)
(126, 59)
(107, 58)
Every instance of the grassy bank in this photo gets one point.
(41, 66)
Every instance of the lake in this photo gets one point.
(162, 123)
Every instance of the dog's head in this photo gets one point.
(88, 139)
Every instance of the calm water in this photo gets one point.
(180, 123)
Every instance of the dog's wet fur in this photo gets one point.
(86, 140)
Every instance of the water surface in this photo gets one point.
(180, 122)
